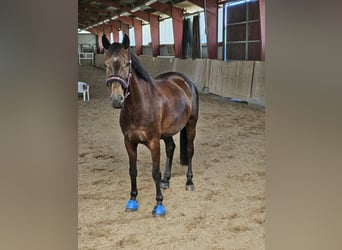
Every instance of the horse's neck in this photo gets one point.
(140, 94)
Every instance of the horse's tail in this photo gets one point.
(183, 147)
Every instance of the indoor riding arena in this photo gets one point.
(226, 209)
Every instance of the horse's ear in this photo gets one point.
(105, 42)
(125, 41)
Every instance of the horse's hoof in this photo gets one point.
(131, 206)
(158, 210)
(164, 184)
(190, 187)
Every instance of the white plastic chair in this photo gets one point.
(83, 88)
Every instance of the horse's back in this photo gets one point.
(171, 80)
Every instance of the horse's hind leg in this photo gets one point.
(190, 136)
(169, 148)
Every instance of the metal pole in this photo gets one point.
(247, 21)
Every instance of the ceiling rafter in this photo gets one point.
(111, 9)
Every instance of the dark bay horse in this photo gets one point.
(152, 109)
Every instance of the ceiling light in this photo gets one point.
(125, 13)
(150, 2)
(135, 9)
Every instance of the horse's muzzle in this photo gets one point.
(117, 100)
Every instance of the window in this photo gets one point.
(146, 34)
(241, 33)
(120, 35)
(131, 37)
(203, 32)
(219, 23)
(166, 31)
(111, 37)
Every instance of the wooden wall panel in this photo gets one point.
(258, 84)
(244, 80)
(161, 65)
(216, 79)
(231, 79)
(148, 64)
(197, 70)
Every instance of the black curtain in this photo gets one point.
(196, 43)
(186, 38)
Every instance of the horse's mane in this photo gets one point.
(138, 68)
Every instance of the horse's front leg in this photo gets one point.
(131, 147)
(154, 147)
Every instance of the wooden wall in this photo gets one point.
(244, 80)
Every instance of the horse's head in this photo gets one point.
(118, 70)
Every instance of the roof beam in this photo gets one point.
(127, 20)
(154, 25)
(152, 19)
(96, 13)
(210, 9)
(115, 26)
(88, 15)
(138, 36)
(177, 21)
(89, 8)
